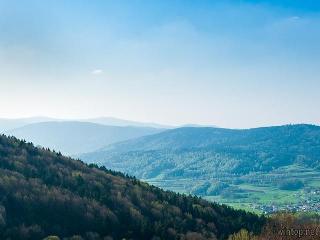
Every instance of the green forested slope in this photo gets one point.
(44, 193)
(214, 149)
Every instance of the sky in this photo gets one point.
(237, 64)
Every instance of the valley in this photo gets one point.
(257, 192)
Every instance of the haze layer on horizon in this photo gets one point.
(235, 64)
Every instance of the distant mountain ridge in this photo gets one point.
(7, 124)
(72, 137)
(124, 123)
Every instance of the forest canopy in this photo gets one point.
(46, 194)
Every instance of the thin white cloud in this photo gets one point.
(97, 72)
(294, 18)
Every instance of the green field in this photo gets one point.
(258, 192)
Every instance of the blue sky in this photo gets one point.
(229, 63)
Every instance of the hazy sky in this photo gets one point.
(228, 63)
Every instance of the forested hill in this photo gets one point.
(44, 193)
(214, 149)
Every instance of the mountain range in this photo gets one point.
(74, 137)
(224, 164)
(7, 124)
(262, 168)
(71, 137)
(111, 121)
